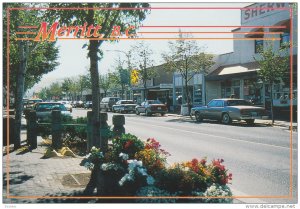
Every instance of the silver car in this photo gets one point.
(227, 110)
(44, 110)
(124, 106)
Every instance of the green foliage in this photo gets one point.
(186, 181)
(186, 58)
(41, 56)
(128, 144)
(74, 133)
(126, 175)
(273, 64)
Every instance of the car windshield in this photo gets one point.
(33, 101)
(50, 106)
(154, 102)
(238, 103)
(127, 102)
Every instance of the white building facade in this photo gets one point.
(236, 72)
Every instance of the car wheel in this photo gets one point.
(162, 114)
(250, 121)
(137, 112)
(198, 117)
(226, 119)
(113, 110)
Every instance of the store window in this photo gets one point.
(258, 45)
(236, 89)
(253, 91)
(226, 89)
(197, 95)
(284, 38)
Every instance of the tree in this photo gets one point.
(186, 58)
(105, 82)
(143, 61)
(84, 82)
(28, 60)
(66, 87)
(107, 19)
(273, 65)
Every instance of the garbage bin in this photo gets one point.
(184, 110)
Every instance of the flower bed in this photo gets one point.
(135, 168)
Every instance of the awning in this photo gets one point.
(237, 74)
(234, 70)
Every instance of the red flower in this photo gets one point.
(203, 161)
(128, 144)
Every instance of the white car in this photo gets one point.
(44, 110)
(67, 105)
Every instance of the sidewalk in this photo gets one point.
(277, 123)
(33, 177)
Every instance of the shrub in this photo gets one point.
(153, 157)
(128, 144)
(135, 168)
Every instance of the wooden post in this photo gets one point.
(56, 129)
(118, 122)
(104, 131)
(32, 129)
(89, 127)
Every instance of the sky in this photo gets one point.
(73, 58)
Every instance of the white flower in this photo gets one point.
(89, 165)
(142, 171)
(88, 155)
(104, 167)
(93, 148)
(124, 156)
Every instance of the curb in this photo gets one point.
(247, 199)
(276, 124)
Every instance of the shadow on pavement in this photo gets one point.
(16, 179)
(236, 124)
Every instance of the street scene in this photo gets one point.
(117, 103)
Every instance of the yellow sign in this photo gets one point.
(134, 77)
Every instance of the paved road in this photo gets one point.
(258, 156)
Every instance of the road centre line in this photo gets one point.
(222, 137)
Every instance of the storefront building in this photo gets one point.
(236, 73)
(196, 88)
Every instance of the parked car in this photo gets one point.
(79, 104)
(150, 107)
(107, 103)
(124, 106)
(29, 104)
(67, 105)
(88, 105)
(44, 110)
(227, 110)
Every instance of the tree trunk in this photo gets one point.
(93, 49)
(145, 91)
(95, 92)
(272, 110)
(19, 96)
(187, 96)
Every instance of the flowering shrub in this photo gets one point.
(152, 191)
(139, 169)
(153, 157)
(219, 173)
(216, 190)
(128, 144)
